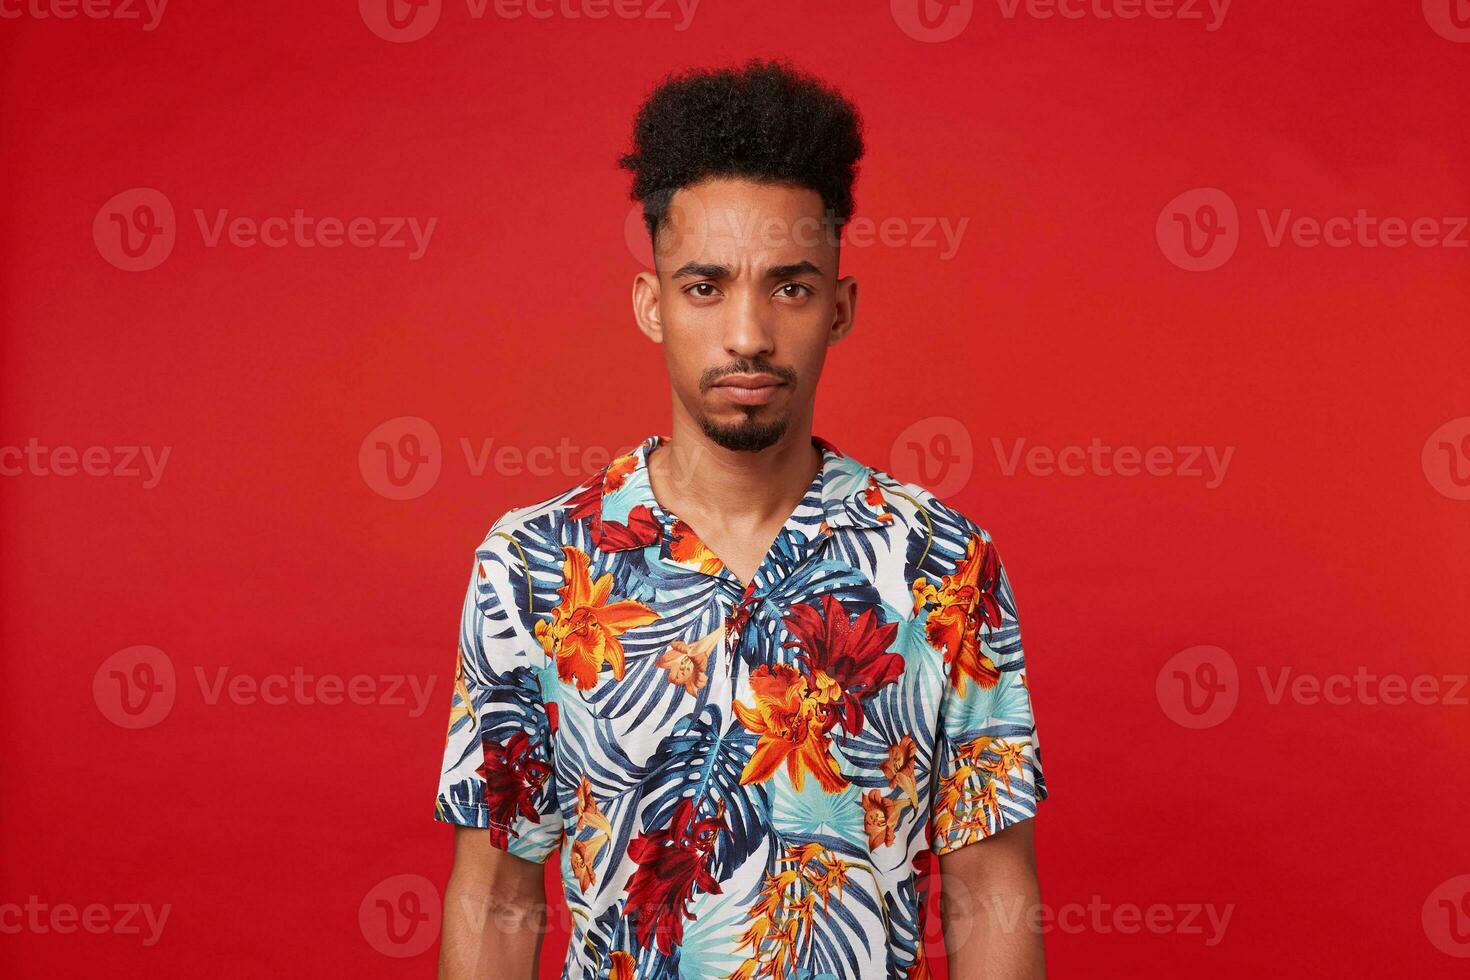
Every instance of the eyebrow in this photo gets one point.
(704, 271)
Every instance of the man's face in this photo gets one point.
(746, 301)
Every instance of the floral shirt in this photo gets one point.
(740, 780)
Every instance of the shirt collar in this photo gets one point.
(628, 515)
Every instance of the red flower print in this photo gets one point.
(671, 862)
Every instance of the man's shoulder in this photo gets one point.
(545, 518)
(915, 508)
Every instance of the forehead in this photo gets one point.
(745, 224)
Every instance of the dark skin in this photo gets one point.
(745, 302)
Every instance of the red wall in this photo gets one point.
(1335, 541)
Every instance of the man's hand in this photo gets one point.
(989, 900)
(494, 912)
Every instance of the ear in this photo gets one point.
(645, 306)
(844, 310)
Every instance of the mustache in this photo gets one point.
(713, 375)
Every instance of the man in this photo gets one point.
(741, 686)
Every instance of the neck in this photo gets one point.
(695, 477)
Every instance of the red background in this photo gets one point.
(265, 548)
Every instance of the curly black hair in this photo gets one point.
(765, 120)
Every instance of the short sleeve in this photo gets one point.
(498, 755)
(987, 763)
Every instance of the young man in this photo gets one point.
(743, 687)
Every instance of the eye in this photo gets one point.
(802, 290)
(702, 285)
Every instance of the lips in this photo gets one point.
(749, 389)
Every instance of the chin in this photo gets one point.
(749, 435)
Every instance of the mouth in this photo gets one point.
(749, 389)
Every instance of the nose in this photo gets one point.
(747, 331)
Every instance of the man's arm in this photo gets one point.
(989, 901)
(494, 912)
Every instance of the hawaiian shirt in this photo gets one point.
(737, 780)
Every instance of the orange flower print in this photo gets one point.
(880, 817)
(588, 814)
(793, 722)
(687, 662)
(584, 852)
(963, 601)
(898, 768)
(622, 966)
(584, 628)
(686, 548)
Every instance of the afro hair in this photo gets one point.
(764, 121)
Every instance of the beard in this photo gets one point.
(747, 436)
